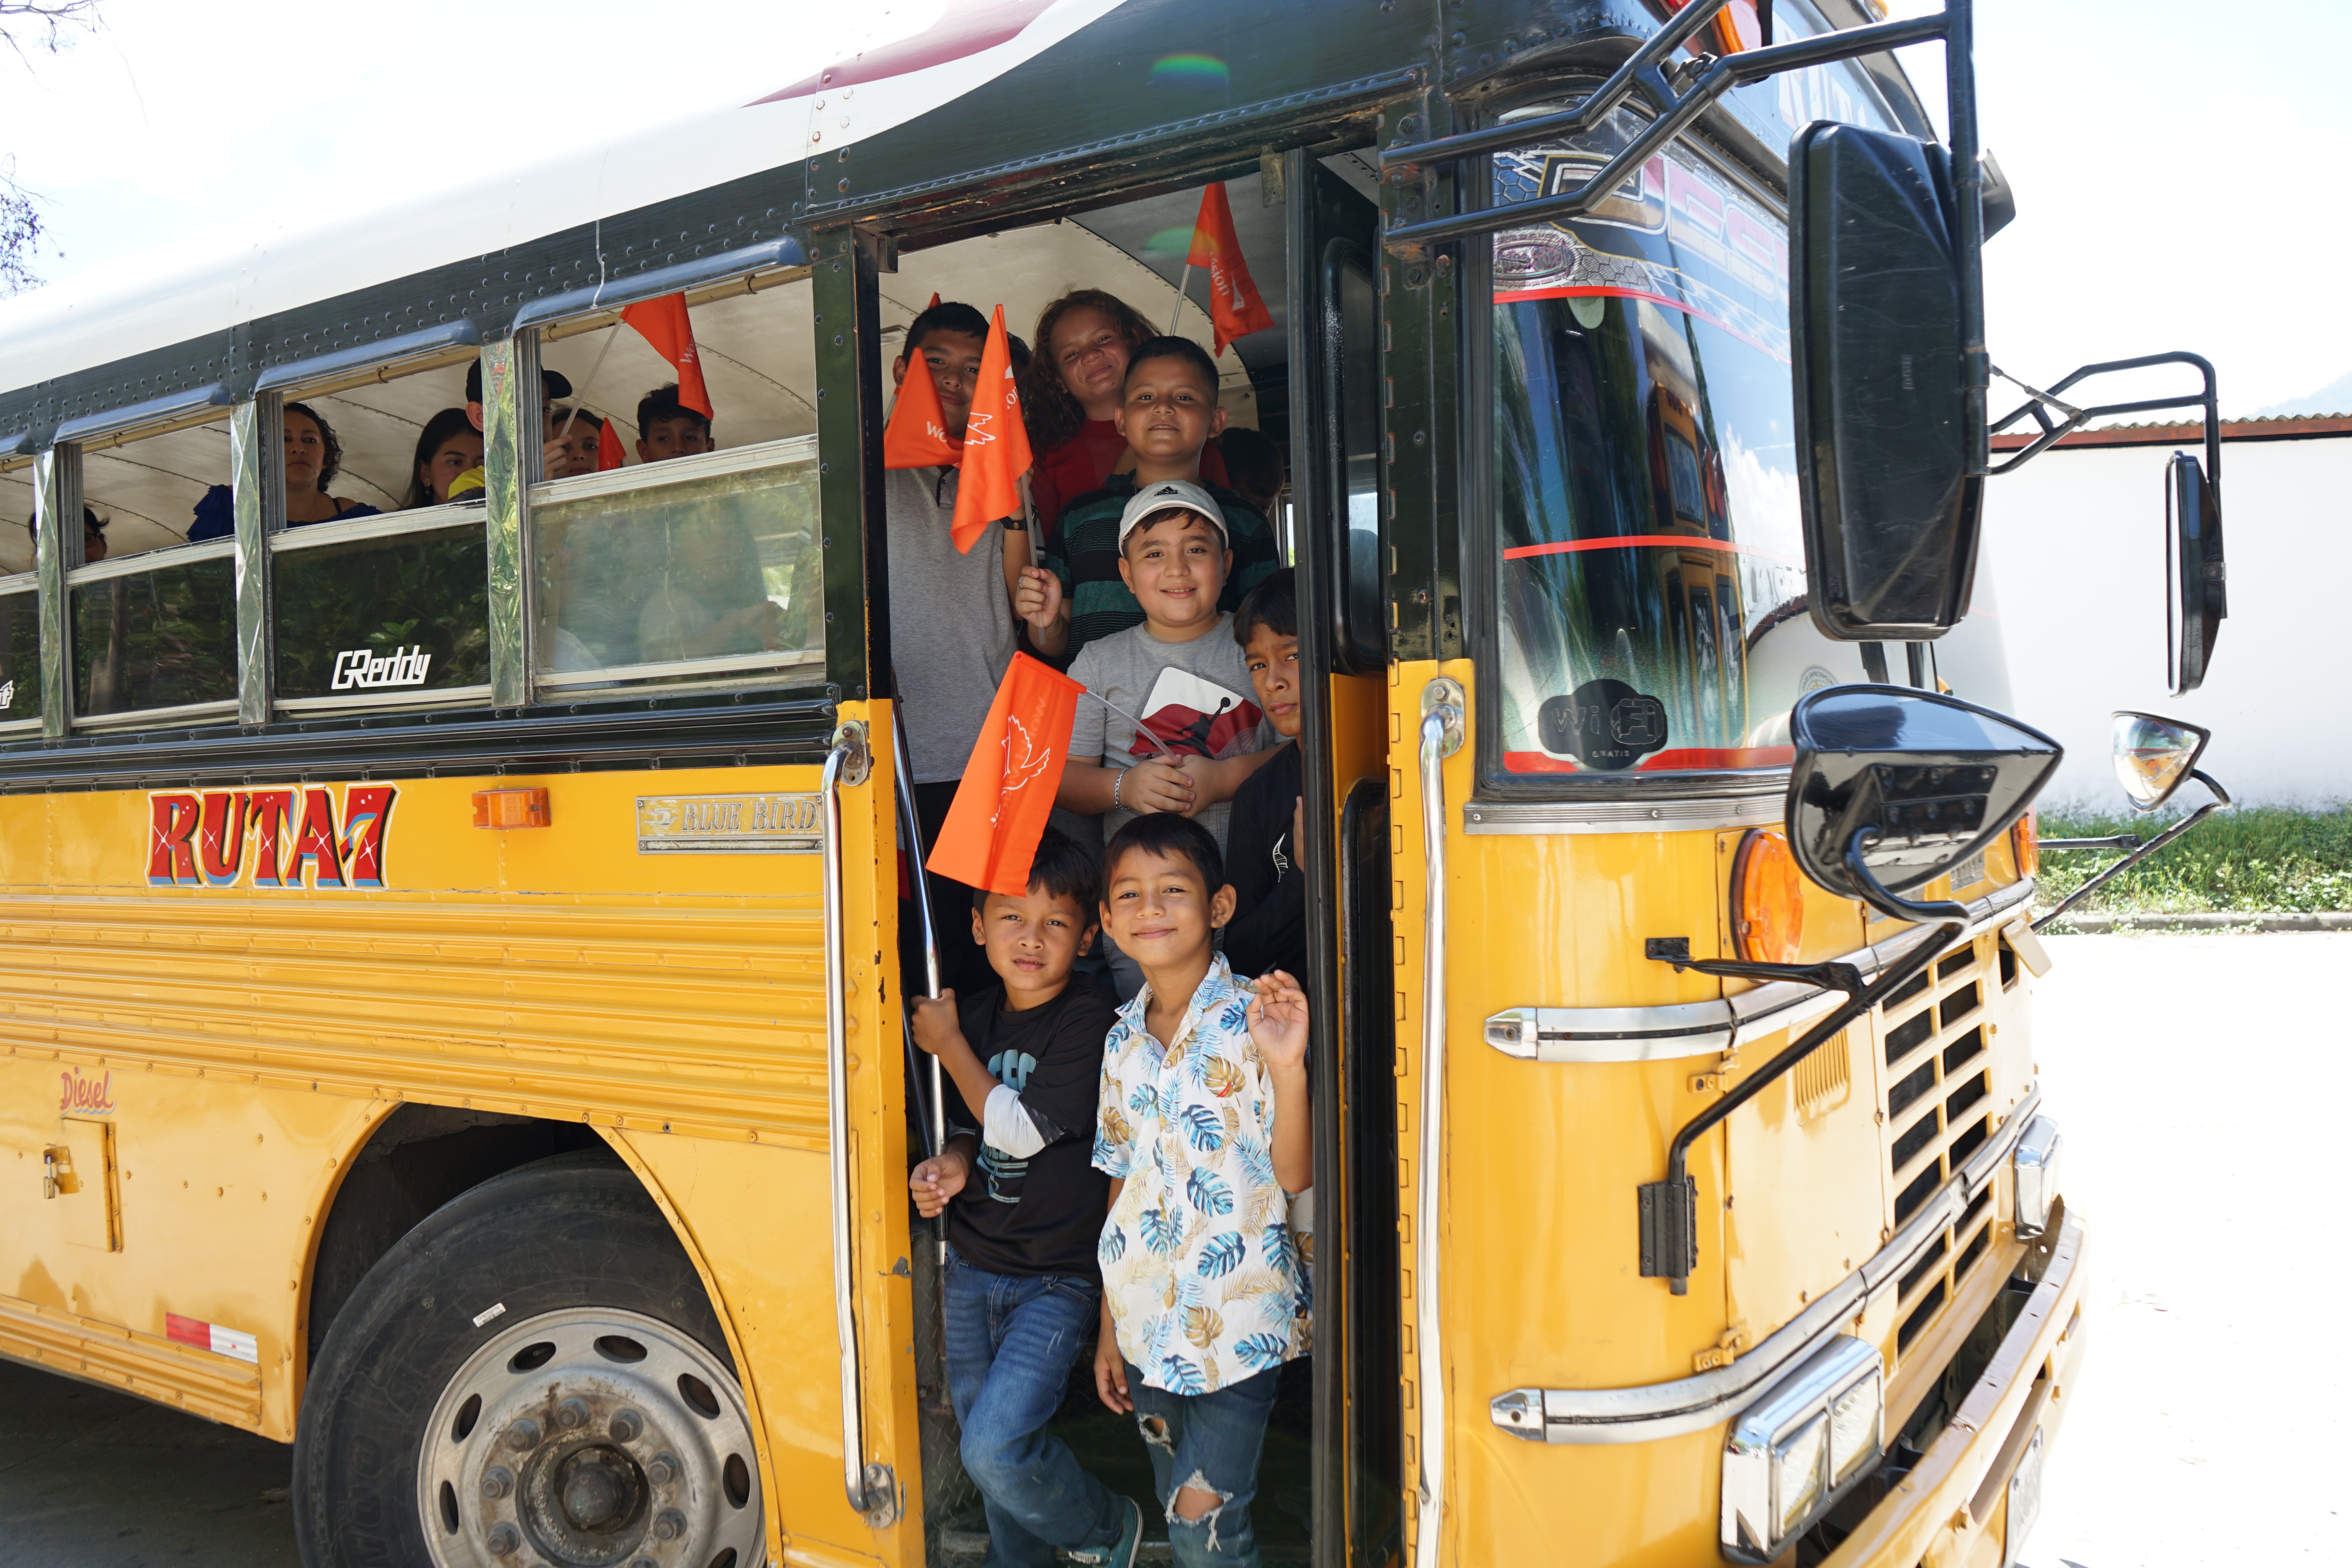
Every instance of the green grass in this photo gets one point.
(2251, 861)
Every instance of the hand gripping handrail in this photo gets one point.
(873, 1489)
(1443, 707)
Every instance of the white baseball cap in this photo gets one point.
(1170, 495)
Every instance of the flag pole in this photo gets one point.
(1141, 728)
(1185, 283)
(580, 398)
(1029, 521)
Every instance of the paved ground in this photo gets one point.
(92, 1478)
(2196, 1079)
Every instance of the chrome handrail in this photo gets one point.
(871, 1488)
(1441, 736)
(911, 821)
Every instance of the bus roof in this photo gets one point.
(1051, 99)
(80, 324)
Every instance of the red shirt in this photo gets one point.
(1085, 462)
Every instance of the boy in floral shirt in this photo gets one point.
(1202, 1127)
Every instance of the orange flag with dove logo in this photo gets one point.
(1235, 309)
(665, 324)
(999, 814)
(995, 444)
(916, 434)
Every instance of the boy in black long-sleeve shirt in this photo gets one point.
(1269, 930)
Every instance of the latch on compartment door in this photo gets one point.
(58, 1173)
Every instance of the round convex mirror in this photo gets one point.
(2154, 756)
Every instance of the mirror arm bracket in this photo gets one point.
(2219, 801)
(1669, 1209)
(2207, 401)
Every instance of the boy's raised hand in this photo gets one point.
(1277, 1019)
(1037, 599)
(936, 1023)
(936, 1180)
(1159, 786)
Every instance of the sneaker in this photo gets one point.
(1120, 1553)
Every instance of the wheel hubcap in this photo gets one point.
(590, 1439)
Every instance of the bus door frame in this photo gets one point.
(1342, 663)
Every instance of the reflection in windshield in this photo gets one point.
(1652, 584)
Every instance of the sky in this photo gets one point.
(2159, 149)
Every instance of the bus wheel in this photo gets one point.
(532, 1375)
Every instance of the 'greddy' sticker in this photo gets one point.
(366, 668)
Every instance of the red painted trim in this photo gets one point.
(982, 27)
(1631, 541)
(1680, 759)
(1524, 296)
(2287, 427)
(188, 1330)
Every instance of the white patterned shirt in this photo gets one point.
(1205, 1285)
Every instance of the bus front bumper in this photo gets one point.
(1953, 1510)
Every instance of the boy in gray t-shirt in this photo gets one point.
(1180, 673)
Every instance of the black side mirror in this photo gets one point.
(1882, 427)
(1893, 787)
(2200, 587)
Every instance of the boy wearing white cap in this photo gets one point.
(1180, 673)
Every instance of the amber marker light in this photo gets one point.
(510, 808)
(1767, 898)
(2025, 843)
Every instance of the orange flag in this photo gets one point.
(991, 830)
(1235, 307)
(609, 454)
(664, 323)
(995, 444)
(916, 434)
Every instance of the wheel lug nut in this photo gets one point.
(497, 1481)
(625, 1426)
(503, 1540)
(670, 1525)
(523, 1435)
(571, 1415)
(663, 1471)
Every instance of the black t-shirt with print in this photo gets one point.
(1043, 1215)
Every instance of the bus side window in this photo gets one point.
(381, 592)
(687, 554)
(151, 593)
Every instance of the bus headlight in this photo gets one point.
(1794, 1452)
(2035, 1165)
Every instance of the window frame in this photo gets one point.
(394, 360)
(1482, 573)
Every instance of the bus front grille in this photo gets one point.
(1935, 1105)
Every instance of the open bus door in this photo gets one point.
(1334, 435)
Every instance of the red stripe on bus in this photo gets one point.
(1529, 296)
(188, 1330)
(1631, 541)
(1663, 762)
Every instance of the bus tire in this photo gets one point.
(532, 1374)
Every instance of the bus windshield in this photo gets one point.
(1651, 586)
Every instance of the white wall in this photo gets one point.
(2074, 544)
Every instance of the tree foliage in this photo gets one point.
(30, 28)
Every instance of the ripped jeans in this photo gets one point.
(1209, 1441)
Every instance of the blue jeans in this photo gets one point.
(1210, 1441)
(1009, 1344)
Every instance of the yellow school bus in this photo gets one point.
(452, 1017)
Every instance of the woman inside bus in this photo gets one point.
(449, 446)
(313, 456)
(1069, 393)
